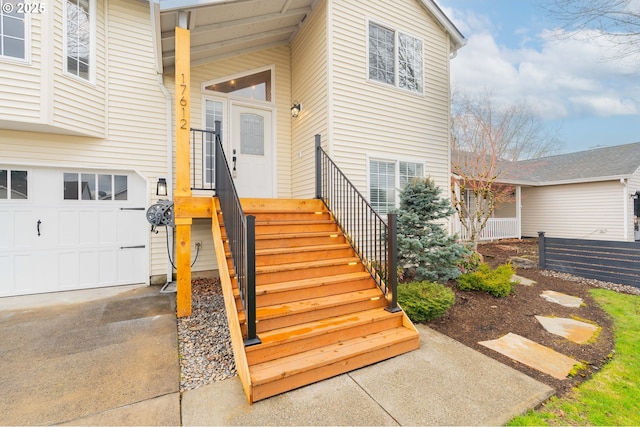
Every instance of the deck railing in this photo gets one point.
(496, 228)
(373, 239)
(240, 230)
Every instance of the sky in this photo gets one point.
(579, 91)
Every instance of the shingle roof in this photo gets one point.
(619, 161)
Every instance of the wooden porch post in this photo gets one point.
(183, 187)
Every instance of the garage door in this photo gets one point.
(71, 229)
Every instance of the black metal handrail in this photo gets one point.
(374, 240)
(240, 231)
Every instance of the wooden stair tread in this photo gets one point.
(299, 235)
(306, 265)
(299, 363)
(319, 327)
(288, 250)
(308, 283)
(313, 304)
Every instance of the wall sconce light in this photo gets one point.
(161, 187)
(635, 195)
(295, 109)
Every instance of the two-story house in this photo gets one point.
(91, 118)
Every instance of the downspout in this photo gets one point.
(155, 31)
(625, 207)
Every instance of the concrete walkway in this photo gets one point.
(113, 361)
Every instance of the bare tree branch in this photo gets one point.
(615, 21)
(486, 143)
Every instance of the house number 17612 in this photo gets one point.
(184, 104)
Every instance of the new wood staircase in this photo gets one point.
(319, 312)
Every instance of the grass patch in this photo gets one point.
(610, 397)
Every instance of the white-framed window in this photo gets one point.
(386, 178)
(80, 38)
(94, 186)
(395, 58)
(14, 30)
(213, 112)
(14, 184)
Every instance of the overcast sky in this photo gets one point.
(513, 51)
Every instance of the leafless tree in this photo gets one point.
(487, 140)
(615, 21)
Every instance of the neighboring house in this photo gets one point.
(592, 194)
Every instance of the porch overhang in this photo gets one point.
(222, 28)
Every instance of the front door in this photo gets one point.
(252, 151)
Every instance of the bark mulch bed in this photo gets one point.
(477, 316)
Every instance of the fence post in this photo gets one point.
(542, 258)
(252, 336)
(392, 261)
(318, 168)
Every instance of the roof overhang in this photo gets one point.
(563, 182)
(223, 28)
(456, 37)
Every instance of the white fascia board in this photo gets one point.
(456, 36)
(563, 182)
(170, 5)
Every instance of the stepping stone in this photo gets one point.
(522, 280)
(574, 330)
(520, 262)
(532, 354)
(562, 299)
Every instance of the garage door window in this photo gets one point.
(82, 186)
(13, 184)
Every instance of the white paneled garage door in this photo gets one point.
(64, 229)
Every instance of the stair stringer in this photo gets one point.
(237, 340)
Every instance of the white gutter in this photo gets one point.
(625, 207)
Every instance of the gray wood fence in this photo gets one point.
(616, 262)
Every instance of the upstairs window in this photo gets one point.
(13, 30)
(395, 58)
(80, 38)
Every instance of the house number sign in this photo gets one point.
(184, 103)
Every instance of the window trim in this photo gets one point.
(396, 77)
(231, 97)
(396, 161)
(27, 44)
(92, 43)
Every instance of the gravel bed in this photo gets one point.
(625, 289)
(204, 343)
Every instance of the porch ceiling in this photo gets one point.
(222, 28)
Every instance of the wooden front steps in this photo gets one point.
(319, 312)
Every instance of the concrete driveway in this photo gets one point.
(94, 357)
(110, 357)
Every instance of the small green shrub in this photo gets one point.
(470, 262)
(496, 282)
(424, 301)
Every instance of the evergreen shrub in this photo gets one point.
(424, 301)
(424, 245)
(496, 282)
